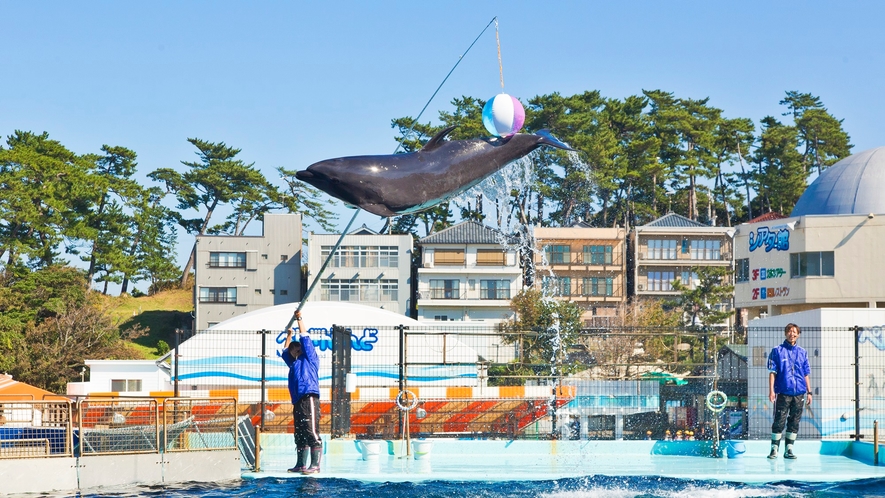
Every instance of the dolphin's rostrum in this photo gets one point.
(397, 184)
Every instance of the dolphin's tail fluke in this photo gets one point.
(548, 139)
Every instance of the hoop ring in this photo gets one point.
(714, 404)
(406, 400)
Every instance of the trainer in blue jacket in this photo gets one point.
(788, 387)
(304, 388)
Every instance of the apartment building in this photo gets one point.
(368, 268)
(670, 248)
(238, 274)
(584, 265)
(468, 272)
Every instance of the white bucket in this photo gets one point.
(421, 449)
(370, 449)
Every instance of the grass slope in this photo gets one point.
(159, 315)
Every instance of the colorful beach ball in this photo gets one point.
(503, 115)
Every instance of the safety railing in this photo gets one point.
(192, 424)
(34, 428)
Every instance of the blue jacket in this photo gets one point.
(790, 366)
(304, 371)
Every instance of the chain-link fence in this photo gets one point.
(847, 380)
(484, 381)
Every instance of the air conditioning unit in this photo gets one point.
(642, 255)
(726, 256)
(641, 287)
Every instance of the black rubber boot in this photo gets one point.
(302, 460)
(315, 455)
(788, 452)
(775, 445)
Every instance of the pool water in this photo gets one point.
(591, 486)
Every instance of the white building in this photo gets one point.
(238, 274)
(136, 378)
(826, 253)
(368, 268)
(468, 272)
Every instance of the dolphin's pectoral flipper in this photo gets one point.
(437, 139)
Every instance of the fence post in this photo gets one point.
(341, 349)
(857, 331)
(263, 405)
(402, 370)
(177, 343)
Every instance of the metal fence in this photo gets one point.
(33, 428)
(106, 426)
(599, 383)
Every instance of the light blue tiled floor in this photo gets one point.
(470, 460)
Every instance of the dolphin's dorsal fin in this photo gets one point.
(437, 139)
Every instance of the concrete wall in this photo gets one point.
(69, 474)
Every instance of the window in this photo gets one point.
(284, 292)
(660, 280)
(597, 255)
(558, 286)
(359, 290)
(441, 318)
(448, 256)
(363, 256)
(494, 289)
(258, 291)
(126, 386)
(490, 257)
(661, 249)
(812, 264)
(218, 294)
(601, 286)
(705, 249)
(689, 279)
(227, 260)
(284, 258)
(742, 270)
(445, 289)
(558, 255)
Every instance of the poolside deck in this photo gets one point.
(491, 460)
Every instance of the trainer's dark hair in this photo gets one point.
(791, 325)
(293, 345)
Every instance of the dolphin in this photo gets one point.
(397, 184)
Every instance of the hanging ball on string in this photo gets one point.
(503, 115)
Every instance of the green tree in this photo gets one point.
(217, 179)
(152, 226)
(781, 176)
(544, 330)
(686, 130)
(50, 322)
(820, 134)
(700, 303)
(45, 188)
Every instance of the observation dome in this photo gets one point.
(854, 185)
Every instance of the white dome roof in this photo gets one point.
(854, 185)
(316, 314)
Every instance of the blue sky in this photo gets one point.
(292, 83)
